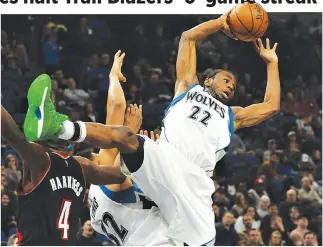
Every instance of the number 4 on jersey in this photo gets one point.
(63, 218)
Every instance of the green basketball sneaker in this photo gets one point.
(42, 122)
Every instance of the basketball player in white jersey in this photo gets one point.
(197, 125)
(121, 212)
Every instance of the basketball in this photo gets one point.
(248, 21)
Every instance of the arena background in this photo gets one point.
(263, 163)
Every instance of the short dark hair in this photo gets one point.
(214, 72)
(252, 229)
(308, 233)
(57, 145)
(227, 212)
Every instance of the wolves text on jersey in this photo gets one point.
(66, 182)
(207, 101)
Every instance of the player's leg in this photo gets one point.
(43, 122)
(177, 186)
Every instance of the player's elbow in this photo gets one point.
(273, 110)
(186, 36)
(271, 107)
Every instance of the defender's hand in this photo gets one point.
(117, 65)
(267, 54)
(133, 117)
(152, 136)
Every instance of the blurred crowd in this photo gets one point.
(268, 188)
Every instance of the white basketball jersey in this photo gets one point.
(199, 126)
(120, 217)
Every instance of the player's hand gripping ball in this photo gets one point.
(247, 22)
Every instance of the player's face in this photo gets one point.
(223, 86)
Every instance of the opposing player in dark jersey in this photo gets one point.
(52, 189)
(51, 192)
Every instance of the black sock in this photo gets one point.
(134, 160)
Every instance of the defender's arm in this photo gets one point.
(257, 113)
(186, 58)
(99, 175)
(116, 105)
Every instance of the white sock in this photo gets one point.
(75, 132)
(68, 130)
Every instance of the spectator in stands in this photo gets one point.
(221, 200)
(276, 239)
(90, 115)
(272, 148)
(317, 125)
(13, 175)
(7, 215)
(87, 237)
(245, 227)
(268, 168)
(57, 94)
(317, 160)
(137, 76)
(244, 223)
(74, 95)
(262, 209)
(293, 144)
(240, 205)
(242, 243)
(267, 221)
(298, 235)
(102, 85)
(307, 192)
(258, 191)
(290, 106)
(254, 238)
(155, 91)
(133, 94)
(310, 239)
(90, 73)
(309, 142)
(60, 78)
(51, 53)
(290, 222)
(226, 234)
(12, 194)
(22, 58)
(216, 210)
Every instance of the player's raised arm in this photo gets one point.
(186, 57)
(255, 114)
(116, 105)
(33, 154)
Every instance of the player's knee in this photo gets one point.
(134, 160)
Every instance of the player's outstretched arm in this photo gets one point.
(116, 105)
(186, 57)
(257, 113)
(99, 175)
(33, 154)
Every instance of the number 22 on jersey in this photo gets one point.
(201, 117)
(62, 222)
